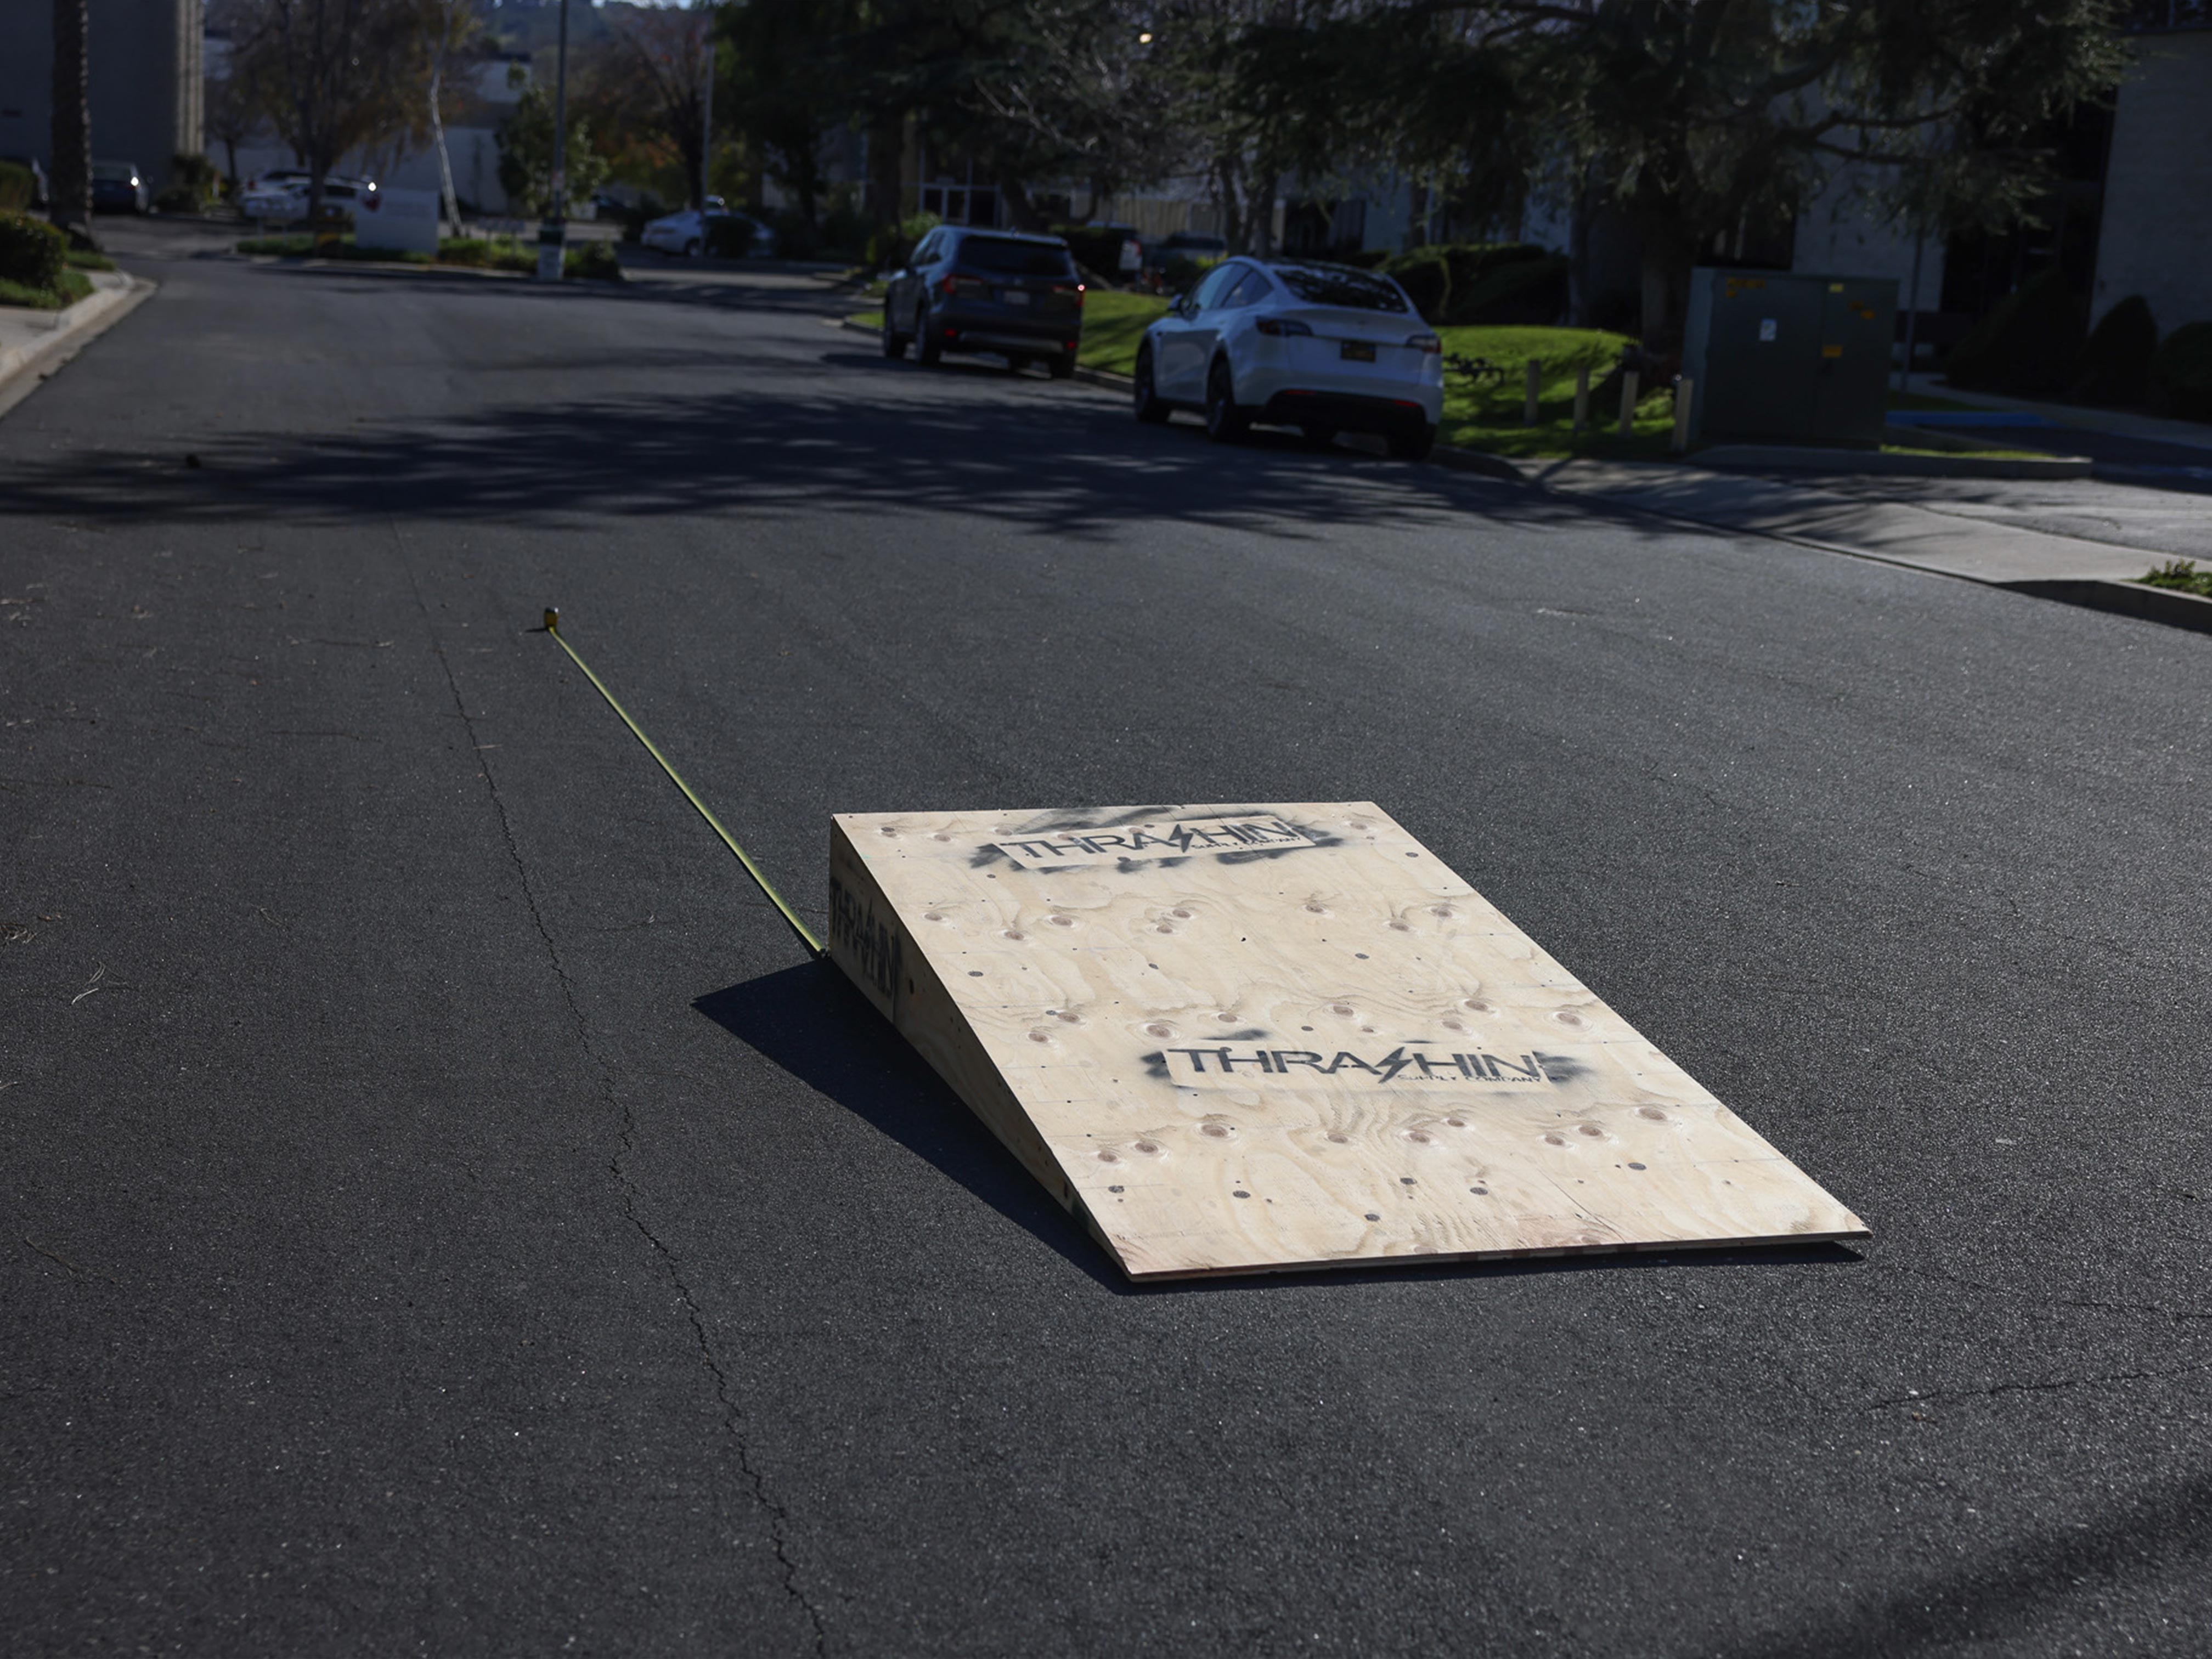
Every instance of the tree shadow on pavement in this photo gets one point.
(2010, 1597)
(868, 437)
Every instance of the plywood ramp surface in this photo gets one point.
(1243, 1039)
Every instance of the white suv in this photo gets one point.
(1326, 349)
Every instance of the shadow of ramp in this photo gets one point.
(809, 1021)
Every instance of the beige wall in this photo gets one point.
(2157, 239)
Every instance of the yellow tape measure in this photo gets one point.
(805, 937)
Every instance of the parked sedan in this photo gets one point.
(117, 187)
(1326, 348)
(687, 233)
(964, 290)
(282, 193)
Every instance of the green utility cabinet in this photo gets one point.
(1779, 357)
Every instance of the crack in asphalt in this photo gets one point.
(2052, 1387)
(734, 1417)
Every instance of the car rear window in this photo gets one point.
(1341, 285)
(1010, 257)
(111, 171)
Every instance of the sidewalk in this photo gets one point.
(34, 343)
(1895, 531)
(1979, 541)
(2126, 445)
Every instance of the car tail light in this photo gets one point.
(1076, 288)
(1282, 327)
(956, 287)
(1424, 343)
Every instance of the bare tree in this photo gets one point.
(455, 23)
(343, 75)
(651, 76)
(70, 189)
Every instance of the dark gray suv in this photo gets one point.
(987, 290)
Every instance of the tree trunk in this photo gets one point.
(1579, 305)
(1665, 291)
(887, 165)
(1019, 205)
(70, 187)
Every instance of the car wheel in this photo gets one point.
(893, 342)
(1061, 368)
(1414, 445)
(691, 248)
(1318, 436)
(928, 349)
(1149, 409)
(1225, 421)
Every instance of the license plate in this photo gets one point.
(1358, 351)
(1013, 297)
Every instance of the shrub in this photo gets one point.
(1472, 262)
(893, 245)
(2027, 343)
(31, 254)
(2181, 373)
(1096, 248)
(1426, 274)
(794, 238)
(1524, 291)
(728, 239)
(19, 187)
(595, 260)
(193, 183)
(1181, 273)
(844, 232)
(2114, 366)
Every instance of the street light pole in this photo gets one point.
(706, 121)
(553, 230)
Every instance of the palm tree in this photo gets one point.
(70, 189)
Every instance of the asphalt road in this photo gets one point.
(443, 1213)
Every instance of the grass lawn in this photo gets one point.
(1486, 415)
(75, 285)
(1112, 325)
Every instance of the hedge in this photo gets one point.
(19, 186)
(31, 253)
(2181, 373)
(2114, 367)
(2028, 344)
(1426, 275)
(1519, 291)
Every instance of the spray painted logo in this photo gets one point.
(876, 952)
(1146, 843)
(1229, 1067)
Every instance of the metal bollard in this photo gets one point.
(1686, 391)
(1581, 397)
(1528, 399)
(1629, 380)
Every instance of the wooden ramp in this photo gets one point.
(1248, 1039)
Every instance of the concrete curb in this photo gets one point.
(1790, 458)
(24, 368)
(2159, 604)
